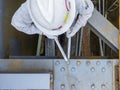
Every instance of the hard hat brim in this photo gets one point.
(60, 31)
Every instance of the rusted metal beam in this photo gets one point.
(86, 51)
(34, 65)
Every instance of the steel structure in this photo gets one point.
(78, 74)
(104, 29)
(1, 30)
(92, 74)
(85, 75)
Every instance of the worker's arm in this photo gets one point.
(85, 9)
(22, 21)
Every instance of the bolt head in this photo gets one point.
(88, 63)
(103, 86)
(103, 69)
(68, 62)
(73, 86)
(62, 69)
(92, 69)
(78, 63)
(57, 63)
(109, 63)
(93, 86)
(98, 63)
(62, 86)
(73, 69)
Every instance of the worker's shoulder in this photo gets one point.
(84, 3)
(86, 7)
(24, 5)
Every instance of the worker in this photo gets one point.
(23, 21)
(84, 10)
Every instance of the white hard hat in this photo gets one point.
(52, 17)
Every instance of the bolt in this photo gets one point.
(109, 63)
(93, 86)
(73, 86)
(78, 81)
(73, 69)
(68, 62)
(103, 86)
(57, 63)
(78, 62)
(103, 69)
(92, 69)
(98, 63)
(62, 69)
(88, 62)
(62, 86)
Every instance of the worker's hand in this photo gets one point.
(71, 32)
(51, 36)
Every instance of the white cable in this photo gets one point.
(61, 49)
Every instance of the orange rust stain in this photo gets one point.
(106, 28)
(15, 65)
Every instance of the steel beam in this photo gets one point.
(34, 65)
(97, 72)
(39, 45)
(26, 65)
(1, 30)
(104, 29)
(49, 47)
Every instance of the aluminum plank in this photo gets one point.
(25, 81)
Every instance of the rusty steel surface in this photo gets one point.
(34, 65)
(26, 65)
